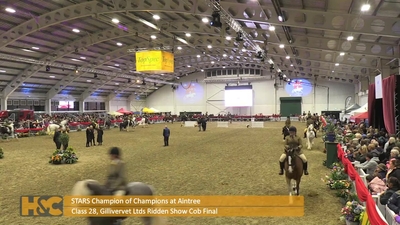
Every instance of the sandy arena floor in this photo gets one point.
(220, 161)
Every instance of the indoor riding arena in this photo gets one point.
(219, 161)
(223, 100)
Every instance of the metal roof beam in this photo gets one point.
(94, 7)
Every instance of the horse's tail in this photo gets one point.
(48, 129)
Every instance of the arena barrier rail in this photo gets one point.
(257, 124)
(222, 124)
(190, 123)
(374, 214)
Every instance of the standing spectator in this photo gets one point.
(92, 140)
(88, 137)
(100, 136)
(56, 138)
(166, 134)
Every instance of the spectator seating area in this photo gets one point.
(378, 214)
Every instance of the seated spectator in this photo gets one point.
(393, 186)
(394, 153)
(370, 165)
(380, 171)
(394, 169)
(375, 185)
(394, 202)
(361, 153)
(350, 154)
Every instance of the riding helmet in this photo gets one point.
(292, 129)
(115, 151)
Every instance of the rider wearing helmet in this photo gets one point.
(116, 181)
(293, 141)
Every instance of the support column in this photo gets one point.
(107, 102)
(3, 103)
(47, 106)
(81, 106)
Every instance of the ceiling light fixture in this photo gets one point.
(336, 64)
(76, 30)
(198, 56)
(223, 67)
(224, 55)
(88, 80)
(153, 36)
(216, 19)
(83, 57)
(156, 17)
(228, 38)
(350, 38)
(212, 62)
(27, 50)
(280, 18)
(36, 48)
(116, 83)
(52, 76)
(179, 48)
(10, 10)
(271, 28)
(287, 57)
(188, 34)
(119, 43)
(2, 71)
(342, 53)
(365, 7)
(205, 20)
(115, 20)
(281, 46)
(202, 70)
(209, 46)
(244, 50)
(291, 64)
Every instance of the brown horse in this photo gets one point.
(293, 171)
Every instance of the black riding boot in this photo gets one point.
(305, 169)
(282, 166)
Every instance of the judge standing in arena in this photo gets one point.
(166, 134)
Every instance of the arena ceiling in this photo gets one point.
(82, 47)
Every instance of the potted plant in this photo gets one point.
(70, 156)
(352, 213)
(330, 134)
(346, 195)
(56, 159)
(1, 153)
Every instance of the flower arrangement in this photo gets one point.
(347, 195)
(1, 153)
(352, 211)
(336, 184)
(67, 156)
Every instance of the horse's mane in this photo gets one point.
(81, 189)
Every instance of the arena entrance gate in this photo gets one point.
(290, 106)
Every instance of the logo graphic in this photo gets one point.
(46, 205)
(298, 87)
(190, 93)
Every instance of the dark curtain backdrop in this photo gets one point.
(375, 109)
(371, 104)
(388, 91)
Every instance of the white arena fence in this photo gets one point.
(223, 124)
(257, 124)
(190, 123)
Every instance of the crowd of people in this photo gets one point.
(377, 153)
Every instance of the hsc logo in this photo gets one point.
(46, 205)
